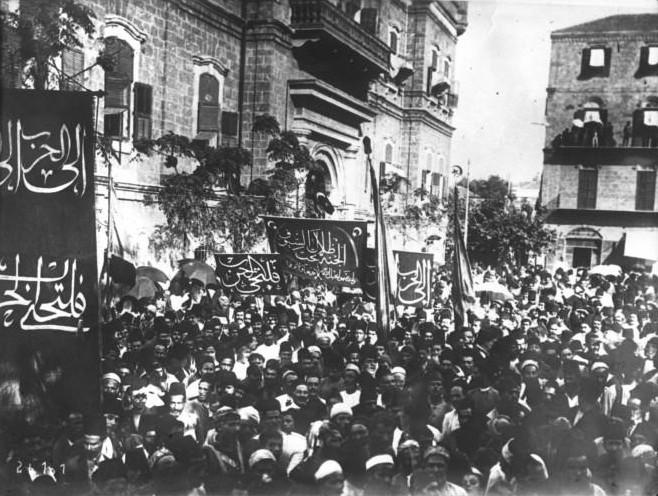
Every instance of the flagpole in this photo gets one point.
(383, 283)
(468, 191)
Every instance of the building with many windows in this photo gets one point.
(332, 71)
(601, 154)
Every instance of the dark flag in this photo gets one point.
(414, 276)
(247, 275)
(462, 281)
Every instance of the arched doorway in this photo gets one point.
(645, 123)
(583, 247)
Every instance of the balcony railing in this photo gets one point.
(311, 18)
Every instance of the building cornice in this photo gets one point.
(213, 14)
(123, 23)
(211, 61)
(610, 36)
(270, 30)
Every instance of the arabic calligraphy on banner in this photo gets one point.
(319, 249)
(246, 274)
(48, 267)
(414, 278)
(41, 295)
(42, 161)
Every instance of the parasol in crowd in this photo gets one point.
(155, 275)
(144, 288)
(190, 270)
(606, 270)
(492, 290)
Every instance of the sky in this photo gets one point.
(502, 66)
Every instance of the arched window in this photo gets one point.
(208, 110)
(434, 63)
(388, 153)
(394, 39)
(118, 83)
(447, 67)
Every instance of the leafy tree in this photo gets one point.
(494, 189)
(209, 205)
(37, 33)
(294, 167)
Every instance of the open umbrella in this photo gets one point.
(201, 271)
(606, 270)
(155, 275)
(189, 270)
(492, 290)
(144, 288)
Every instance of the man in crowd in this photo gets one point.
(552, 392)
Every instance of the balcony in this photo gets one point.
(604, 155)
(594, 143)
(335, 33)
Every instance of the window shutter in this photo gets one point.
(369, 20)
(608, 58)
(208, 119)
(644, 59)
(143, 111)
(430, 77)
(230, 123)
(72, 65)
(646, 190)
(116, 92)
(587, 185)
(584, 64)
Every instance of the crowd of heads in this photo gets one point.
(548, 388)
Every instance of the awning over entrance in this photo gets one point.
(641, 244)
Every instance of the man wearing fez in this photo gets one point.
(79, 468)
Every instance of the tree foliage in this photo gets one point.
(295, 177)
(498, 231)
(208, 204)
(38, 33)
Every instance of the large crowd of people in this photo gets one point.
(549, 390)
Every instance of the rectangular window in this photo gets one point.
(652, 56)
(446, 69)
(587, 184)
(595, 62)
(597, 57)
(646, 190)
(143, 111)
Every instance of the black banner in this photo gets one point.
(48, 268)
(317, 249)
(246, 274)
(414, 278)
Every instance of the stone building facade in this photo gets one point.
(333, 71)
(601, 151)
